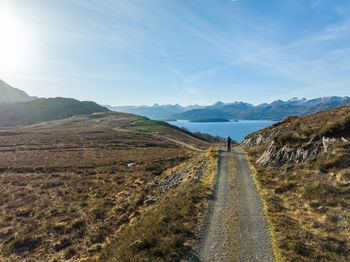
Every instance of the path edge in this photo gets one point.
(207, 214)
(277, 256)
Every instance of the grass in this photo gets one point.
(148, 126)
(164, 231)
(309, 215)
(68, 186)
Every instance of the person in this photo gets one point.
(229, 141)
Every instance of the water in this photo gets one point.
(236, 130)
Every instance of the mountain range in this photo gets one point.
(16, 106)
(277, 110)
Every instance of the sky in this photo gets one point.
(133, 52)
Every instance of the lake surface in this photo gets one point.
(236, 130)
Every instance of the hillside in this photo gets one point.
(196, 114)
(45, 109)
(303, 174)
(157, 112)
(9, 94)
(276, 110)
(108, 186)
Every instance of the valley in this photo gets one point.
(81, 182)
(69, 187)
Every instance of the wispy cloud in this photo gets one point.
(191, 48)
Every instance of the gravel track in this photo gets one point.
(235, 228)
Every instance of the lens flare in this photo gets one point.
(14, 41)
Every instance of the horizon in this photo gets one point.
(188, 105)
(174, 52)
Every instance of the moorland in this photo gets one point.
(302, 169)
(100, 186)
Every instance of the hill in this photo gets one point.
(203, 113)
(303, 174)
(276, 110)
(107, 186)
(9, 94)
(45, 109)
(157, 112)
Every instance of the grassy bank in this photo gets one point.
(167, 229)
(308, 214)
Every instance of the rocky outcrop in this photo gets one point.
(276, 155)
(260, 139)
(193, 171)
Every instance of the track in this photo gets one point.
(235, 227)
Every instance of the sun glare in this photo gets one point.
(14, 43)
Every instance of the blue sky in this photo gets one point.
(126, 52)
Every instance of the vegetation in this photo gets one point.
(45, 110)
(307, 203)
(68, 187)
(165, 231)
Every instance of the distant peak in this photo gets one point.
(219, 103)
(296, 99)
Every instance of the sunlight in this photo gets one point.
(14, 44)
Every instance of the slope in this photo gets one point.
(45, 109)
(303, 172)
(9, 94)
(70, 188)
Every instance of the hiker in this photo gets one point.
(229, 141)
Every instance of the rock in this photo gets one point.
(260, 139)
(340, 219)
(326, 143)
(277, 155)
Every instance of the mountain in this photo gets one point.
(157, 112)
(9, 94)
(197, 114)
(45, 109)
(302, 169)
(276, 110)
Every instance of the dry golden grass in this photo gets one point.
(309, 217)
(68, 186)
(166, 231)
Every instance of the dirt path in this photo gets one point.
(163, 137)
(178, 142)
(235, 228)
